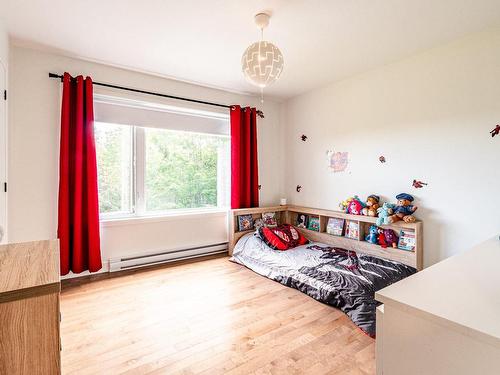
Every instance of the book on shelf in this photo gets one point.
(352, 229)
(269, 219)
(302, 221)
(335, 226)
(245, 222)
(313, 224)
(407, 240)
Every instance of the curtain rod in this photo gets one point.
(54, 75)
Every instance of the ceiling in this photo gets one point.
(202, 41)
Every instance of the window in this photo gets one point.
(146, 171)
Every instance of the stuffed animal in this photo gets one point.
(404, 209)
(381, 238)
(391, 238)
(345, 203)
(371, 237)
(384, 213)
(352, 205)
(355, 206)
(372, 204)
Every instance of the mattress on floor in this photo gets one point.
(343, 279)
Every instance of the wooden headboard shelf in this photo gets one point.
(288, 215)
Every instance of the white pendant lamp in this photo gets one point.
(262, 62)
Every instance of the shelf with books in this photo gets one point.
(343, 215)
(351, 230)
(305, 221)
(412, 254)
(245, 221)
(362, 246)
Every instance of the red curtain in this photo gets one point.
(244, 168)
(78, 225)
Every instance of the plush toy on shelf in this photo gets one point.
(371, 205)
(352, 205)
(345, 203)
(404, 209)
(391, 238)
(385, 212)
(371, 237)
(355, 206)
(381, 238)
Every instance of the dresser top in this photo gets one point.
(462, 292)
(28, 266)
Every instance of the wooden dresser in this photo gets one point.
(29, 308)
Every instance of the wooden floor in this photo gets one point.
(209, 317)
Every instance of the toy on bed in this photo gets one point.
(371, 237)
(385, 212)
(404, 209)
(282, 237)
(371, 205)
(352, 205)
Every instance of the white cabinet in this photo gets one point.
(379, 343)
(3, 155)
(444, 320)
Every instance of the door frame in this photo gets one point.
(4, 154)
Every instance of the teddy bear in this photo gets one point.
(404, 209)
(372, 204)
(385, 212)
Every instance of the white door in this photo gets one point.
(3, 157)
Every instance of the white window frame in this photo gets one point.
(138, 199)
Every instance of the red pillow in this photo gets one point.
(283, 237)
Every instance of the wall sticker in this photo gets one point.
(495, 131)
(337, 161)
(419, 184)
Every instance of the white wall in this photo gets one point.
(4, 59)
(4, 45)
(34, 149)
(430, 115)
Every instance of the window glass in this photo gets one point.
(114, 153)
(185, 170)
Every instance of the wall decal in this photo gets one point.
(303, 137)
(260, 113)
(382, 159)
(495, 131)
(418, 184)
(338, 161)
(298, 188)
(260, 187)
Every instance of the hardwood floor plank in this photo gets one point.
(204, 318)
